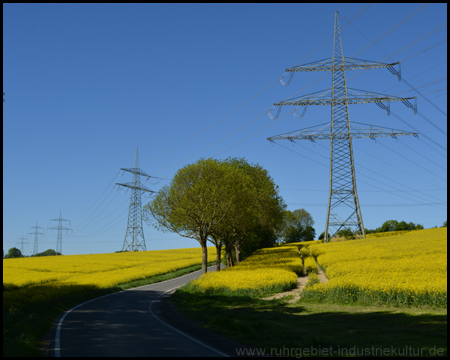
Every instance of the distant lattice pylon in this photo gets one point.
(60, 229)
(36, 236)
(22, 242)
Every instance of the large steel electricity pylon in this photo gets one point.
(60, 228)
(343, 205)
(134, 236)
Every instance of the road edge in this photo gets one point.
(167, 310)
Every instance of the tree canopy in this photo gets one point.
(217, 201)
(297, 226)
(394, 225)
(255, 217)
(49, 252)
(14, 253)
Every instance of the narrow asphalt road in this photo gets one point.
(127, 324)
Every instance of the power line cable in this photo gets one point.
(360, 174)
(252, 98)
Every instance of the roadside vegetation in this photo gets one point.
(392, 283)
(36, 291)
(386, 296)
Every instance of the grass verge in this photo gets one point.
(310, 329)
(29, 312)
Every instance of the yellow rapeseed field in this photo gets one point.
(406, 268)
(101, 270)
(265, 272)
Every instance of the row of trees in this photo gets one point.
(230, 203)
(394, 225)
(16, 253)
(389, 225)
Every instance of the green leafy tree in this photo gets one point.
(347, 233)
(14, 253)
(389, 225)
(257, 215)
(309, 234)
(297, 226)
(198, 200)
(49, 252)
(394, 225)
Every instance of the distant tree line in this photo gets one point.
(16, 253)
(389, 225)
(394, 225)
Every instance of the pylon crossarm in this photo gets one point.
(133, 186)
(321, 132)
(60, 220)
(58, 228)
(347, 64)
(136, 171)
(354, 96)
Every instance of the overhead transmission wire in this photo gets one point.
(106, 227)
(413, 162)
(393, 28)
(94, 215)
(245, 125)
(417, 53)
(386, 162)
(216, 122)
(385, 34)
(430, 83)
(373, 43)
(82, 226)
(373, 205)
(420, 134)
(394, 166)
(325, 75)
(107, 187)
(359, 174)
(415, 12)
(414, 42)
(78, 226)
(230, 114)
(97, 214)
(365, 191)
(370, 170)
(91, 223)
(247, 101)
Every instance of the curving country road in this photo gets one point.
(127, 324)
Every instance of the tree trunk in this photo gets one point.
(229, 259)
(228, 255)
(236, 248)
(204, 258)
(219, 251)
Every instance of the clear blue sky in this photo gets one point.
(85, 84)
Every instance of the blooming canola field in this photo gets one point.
(399, 269)
(100, 270)
(265, 272)
(406, 268)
